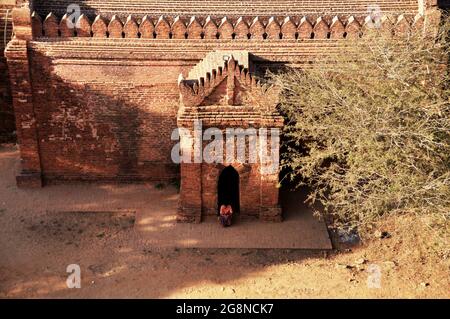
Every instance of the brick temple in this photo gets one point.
(99, 101)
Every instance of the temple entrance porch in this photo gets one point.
(228, 189)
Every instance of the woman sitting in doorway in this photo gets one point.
(226, 215)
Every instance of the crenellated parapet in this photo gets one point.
(225, 28)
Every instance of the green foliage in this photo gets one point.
(368, 129)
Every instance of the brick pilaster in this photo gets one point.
(270, 209)
(18, 64)
(190, 206)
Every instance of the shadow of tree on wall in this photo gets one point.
(99, 131)
(129, 138)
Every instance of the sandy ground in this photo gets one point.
(36, 246)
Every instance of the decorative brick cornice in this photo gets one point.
(231, 8)
(225, 28)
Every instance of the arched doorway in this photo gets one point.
(228, 189)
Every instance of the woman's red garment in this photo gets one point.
(226, 214)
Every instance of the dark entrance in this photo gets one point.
(228, 189)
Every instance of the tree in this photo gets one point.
(368, 129)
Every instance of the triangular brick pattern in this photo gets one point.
(228, 93)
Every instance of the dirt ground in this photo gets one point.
(36, 246)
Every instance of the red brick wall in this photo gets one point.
(110, 116)
(104, 108)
